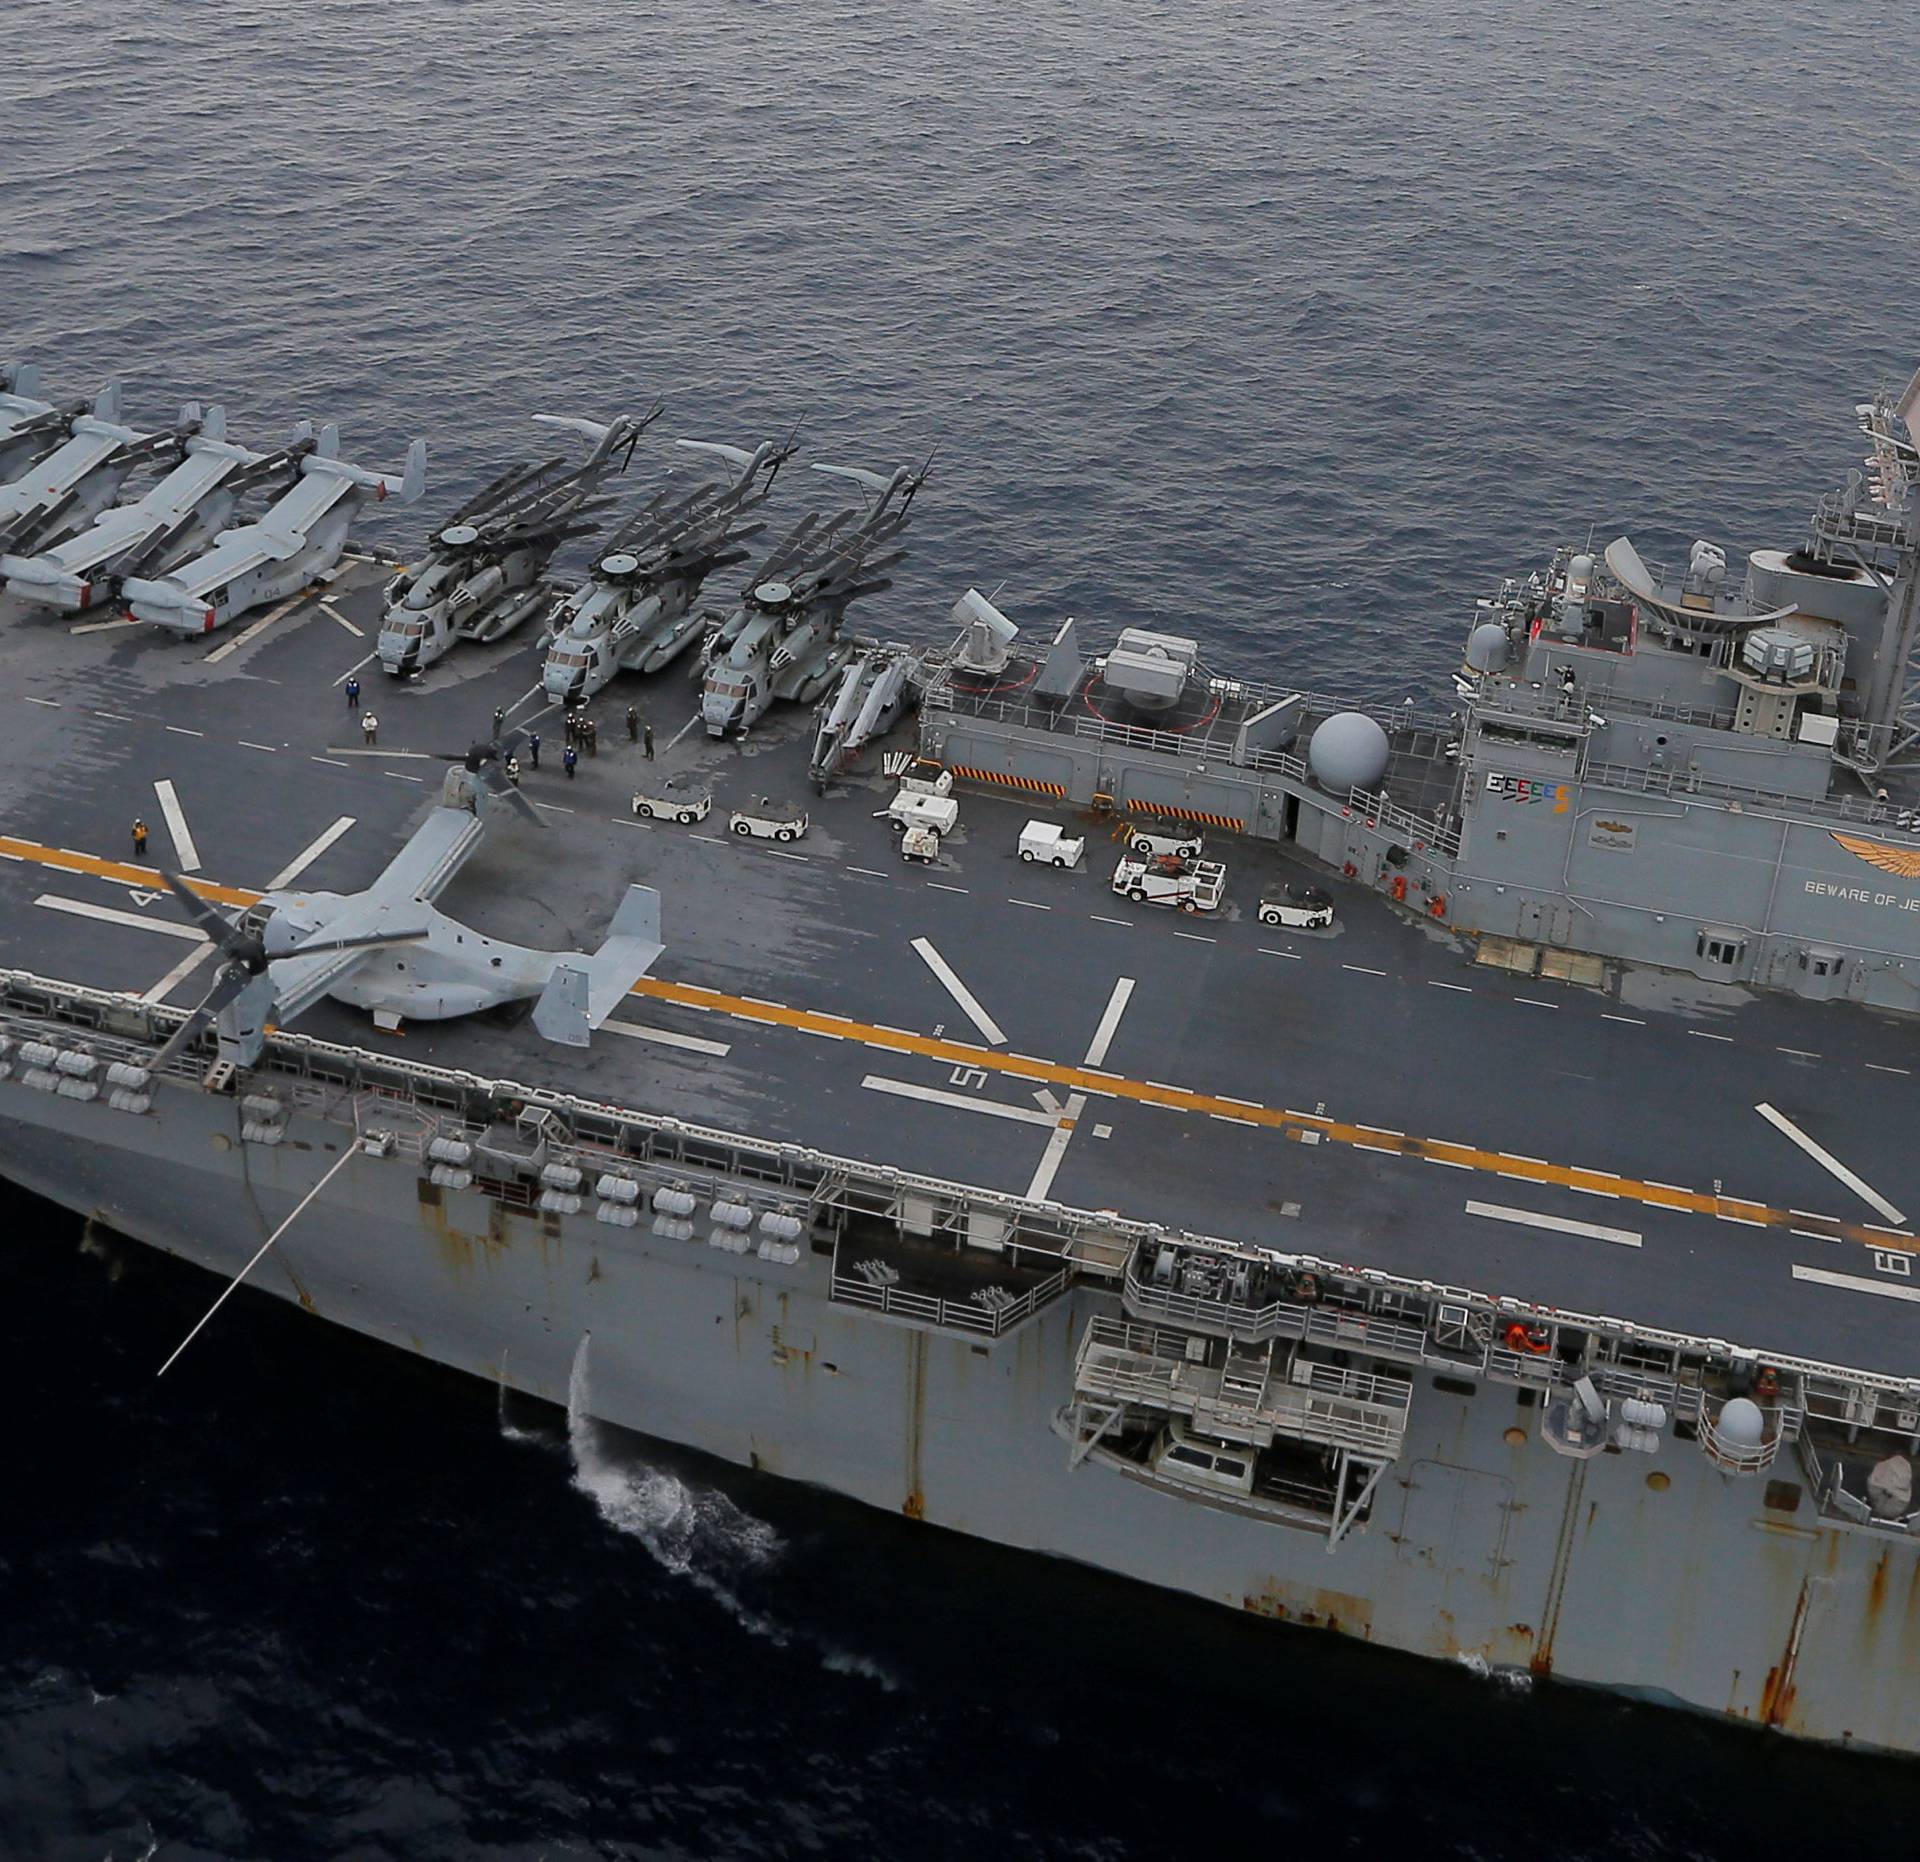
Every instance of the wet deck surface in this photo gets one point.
(1369, 1094)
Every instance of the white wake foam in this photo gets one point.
(512, 1432)
(846, 1662)
(1518, 1679)
(694, 1533)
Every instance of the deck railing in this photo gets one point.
(1431, 832)
(1889, 817)
(984, 1319)
(1336, 1407)
(1342, 1326)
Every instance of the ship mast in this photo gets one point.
(1872, 523)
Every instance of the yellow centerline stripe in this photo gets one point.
(1108, 1085)
(1275, 1118)
(64, 860)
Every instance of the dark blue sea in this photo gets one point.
(1292, 326)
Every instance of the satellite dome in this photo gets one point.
(459, 535)
(1487, 648)
(619, 563)
(1741, 1423)
(1348, 751)
(1580, 569)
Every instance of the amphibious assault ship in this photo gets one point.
(1514, 1268)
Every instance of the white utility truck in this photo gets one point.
(1051, 846)
(768, 820)
(1299, 907)
(924, 802)
(1168, 879)
(1181, 846)
(678, 798)
(920, 843)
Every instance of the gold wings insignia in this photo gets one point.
(1902, 862)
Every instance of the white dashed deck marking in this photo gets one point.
(1557, 1224)
(308, 854)
(255, 629)
(1829, 1163)
(960, 1102)
(107, 915)
(1049, 1164)
(1853, 1283)
(1109, 1021)
(969, 1003)
(178, 974)
(666, 1037)
(186, 855)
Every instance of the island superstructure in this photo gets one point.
(1516, 1269)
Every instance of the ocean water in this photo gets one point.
(1290, 326)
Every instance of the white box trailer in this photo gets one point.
(1041, 841)
(920, 843)
(1167, 879)
(924, 802)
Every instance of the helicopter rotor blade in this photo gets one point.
(216, 924)
(228, 984)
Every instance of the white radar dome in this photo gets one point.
(1580, 569)
(1741, 1423)
(1487, 647)
(1348, 751)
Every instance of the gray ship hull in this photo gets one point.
(1678, 1583)
(1455, 1272)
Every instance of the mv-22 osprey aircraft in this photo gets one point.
(30, 428)
(481, 578)
(388, 951)
(75, 462)
(784, 639)
(635, 612)
(299, 537)
(177, 517)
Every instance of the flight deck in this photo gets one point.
(1678, 1153)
